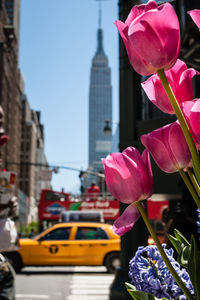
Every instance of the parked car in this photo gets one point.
(70, 244)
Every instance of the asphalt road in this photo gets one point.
(63, 283)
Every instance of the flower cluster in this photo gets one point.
(149, 273)
(153, 44)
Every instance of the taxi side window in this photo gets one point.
(59, 234)
(88, 233)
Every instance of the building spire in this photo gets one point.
(100, 32)
(100, 14)
(100, 41)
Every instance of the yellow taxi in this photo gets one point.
(70, 244)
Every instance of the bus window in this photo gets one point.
(53, 196)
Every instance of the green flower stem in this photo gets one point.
(194, 181)
(162, 252)
(183, 123)
(190, 187)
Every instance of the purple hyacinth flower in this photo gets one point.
(148, 273)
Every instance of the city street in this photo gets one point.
(63, 283)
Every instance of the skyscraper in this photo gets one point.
(100, 103)
(100, 108)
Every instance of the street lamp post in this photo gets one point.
(107, 129)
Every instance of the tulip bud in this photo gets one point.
(128, 175)
(129, 179)
(151, 41)
(168, 147)
(180, 80)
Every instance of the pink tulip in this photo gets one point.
(180, 80)
(151, 40)
(191, 111)
(195, 15)
(129, 179)
(168, 147)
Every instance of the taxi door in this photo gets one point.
(89, 246)
(53, 248)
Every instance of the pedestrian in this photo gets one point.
(32, 233)
(92, 192)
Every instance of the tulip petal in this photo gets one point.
(187, 109)
(134, 155)
(195, 118)
(136, 61)
(142, 179)
(195, 15)
(150, 5)
(126, 221)
(177, 69)
(137, 10)
(180, 151)
(185, 84)
(123, 30)
(168, 147)
(156, 94)
(141, 35)
(114, 179)
(148, 189)
(159, 152)
(121, 180)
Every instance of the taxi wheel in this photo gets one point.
(15, 260)
(112, 261)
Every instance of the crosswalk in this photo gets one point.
(63, 283)
(90, 287)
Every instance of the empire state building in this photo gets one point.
(100, 106)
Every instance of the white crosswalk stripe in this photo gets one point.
(90, 287)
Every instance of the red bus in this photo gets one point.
(52, 203)
(50, 206)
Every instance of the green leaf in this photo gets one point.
(139, 295)
(182, 246)
(181, 238)
(194, 267)
(175, 242)
(184, 256)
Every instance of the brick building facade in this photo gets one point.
(11, 90)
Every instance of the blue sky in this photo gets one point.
(57, 44)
